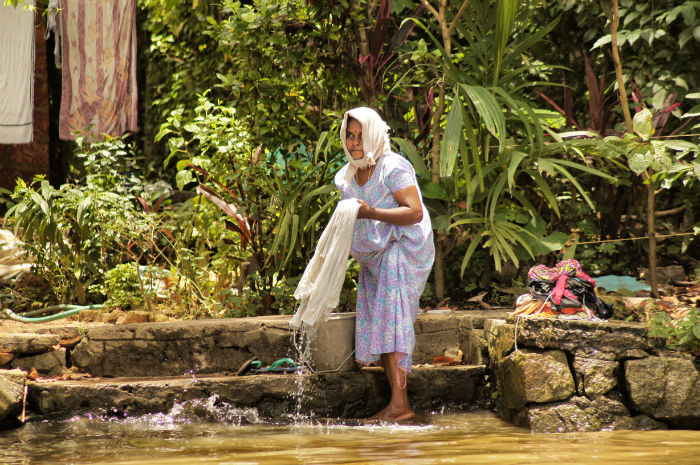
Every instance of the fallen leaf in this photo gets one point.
(443, 360)
(71, 341)
(478, 298)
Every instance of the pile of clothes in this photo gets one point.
(562, 290)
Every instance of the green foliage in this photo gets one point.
(283, 66)
(658, 44)
(681, 334)
(273, 203)
(73, 234)
(122, 287)
(491, 184)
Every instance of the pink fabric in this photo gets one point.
(559, 273)
(99, 94)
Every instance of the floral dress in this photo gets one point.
(394, 264)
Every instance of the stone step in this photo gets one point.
(350, 394)
(209, 346)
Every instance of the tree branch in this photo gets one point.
(456, 18)
(430, 8)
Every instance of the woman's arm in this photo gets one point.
(409, 211)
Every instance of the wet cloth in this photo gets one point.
(319, 288)
(394, 264)
(99, 94)
(16, 73)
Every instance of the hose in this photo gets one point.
(68, 310)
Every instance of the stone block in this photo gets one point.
(594, 377)
(524, 377)
(27, 343)
(667, 389)
(49, 364)
(435, 335)
(11, 393)
(606, 340)
(500, 339)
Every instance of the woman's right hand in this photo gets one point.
(365, 210)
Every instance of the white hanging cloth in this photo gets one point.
(16, 73)
(319, 288)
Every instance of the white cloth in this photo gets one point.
(53, 24)
(319, 288)
(12, 259)
(375, 138)
(16, 73)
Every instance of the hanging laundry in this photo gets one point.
(98, 42)
(16, 73)
(53, 24)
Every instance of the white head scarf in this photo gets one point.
(375, 138)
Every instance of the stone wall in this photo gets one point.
(562, 375)
(579, 375)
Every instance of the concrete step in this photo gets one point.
(352, 394)
(208, 346)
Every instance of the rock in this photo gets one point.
(91, 316)
(133, 317)
(594, 377)
(666, 389)
(577, 415)
(526, 376)
(640, 422)
(27, 343)
(670, 274)
(49, 365)
(500, 339)
(113, 316)
(5, 357)
(11, 393)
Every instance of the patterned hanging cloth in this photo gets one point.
(99, 94)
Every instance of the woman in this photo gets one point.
(393, 242)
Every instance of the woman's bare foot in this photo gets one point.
(390, 413)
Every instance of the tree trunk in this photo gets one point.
(651, 232)
(651, 226)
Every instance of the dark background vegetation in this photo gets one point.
(223, 192)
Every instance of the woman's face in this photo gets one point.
(353, 139)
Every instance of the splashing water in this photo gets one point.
(190, 411)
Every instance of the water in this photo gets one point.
(209, 433)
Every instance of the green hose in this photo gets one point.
(68, 310)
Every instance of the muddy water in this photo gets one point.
(196, 436)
